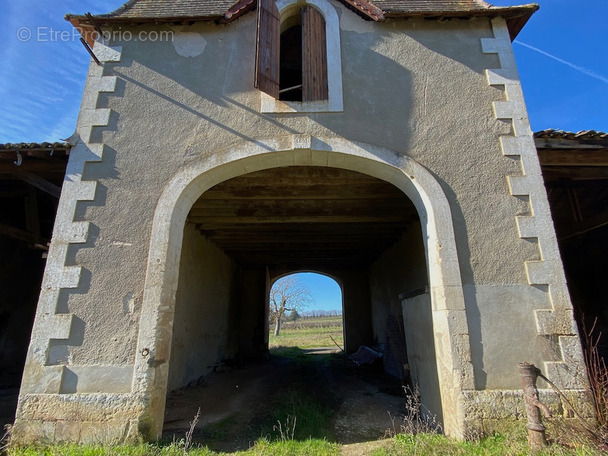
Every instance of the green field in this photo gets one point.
(309, 333)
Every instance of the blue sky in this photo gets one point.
(325, 291)
(562, 55)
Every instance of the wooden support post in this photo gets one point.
(536, 429)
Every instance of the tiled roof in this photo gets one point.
(414, 6)
(45, 146)
(134, 9)
(51, 157)
(166, 9)
(560, 134)
(172, 10)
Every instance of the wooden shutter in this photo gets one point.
(314, 56)
(267, 48)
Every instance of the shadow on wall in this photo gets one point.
(377, 91)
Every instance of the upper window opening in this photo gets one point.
(303, 57)
(293, 66)
(290, 72)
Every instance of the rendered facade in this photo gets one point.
(398, 159)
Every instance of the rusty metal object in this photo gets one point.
(536, 429)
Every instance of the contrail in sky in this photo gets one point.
(571, 65)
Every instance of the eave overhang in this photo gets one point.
(515, 16)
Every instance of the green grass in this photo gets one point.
(308, 337)
(263, 447)
(497, 445)
(310, 447)
(419, 445)
(312, 419)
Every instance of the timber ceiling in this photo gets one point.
(303, 217)
(575, 170)
(31, 176)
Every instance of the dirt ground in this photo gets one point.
(240, 405)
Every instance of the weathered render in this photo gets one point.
(145, 287)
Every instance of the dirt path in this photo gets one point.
(240, 406)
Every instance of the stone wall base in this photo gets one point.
(83, 418)
(489, 411)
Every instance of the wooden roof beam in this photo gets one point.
(39, 182)
(23, 235)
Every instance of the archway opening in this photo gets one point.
(305, 313)
(243, 234)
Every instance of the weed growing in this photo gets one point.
(416, 420)
(309, 447)
(263, 447)
(298, 415)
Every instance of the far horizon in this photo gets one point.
(325, 291)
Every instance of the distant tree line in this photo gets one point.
(316, 313)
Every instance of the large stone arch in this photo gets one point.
(450, 329)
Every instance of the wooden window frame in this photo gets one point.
(334, 101)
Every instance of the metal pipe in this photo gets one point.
(536, 429)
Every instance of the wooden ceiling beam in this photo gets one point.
(551, 173)
(40, 183)
(23, 235)
(209, 221)
(570, 230)
(576, 157)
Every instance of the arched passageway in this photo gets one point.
(178, 234)
(243, 234)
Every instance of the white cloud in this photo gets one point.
(578, 68)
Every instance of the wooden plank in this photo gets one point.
(288, 208)
(314, 56)
(315, 194)
(267, 48)
(562, 143)
(299, 219)
(14, 193)
(576, 229)
(295, 238)
(302, 177)
(573, 157)
(22, 235)
(575, 172)
(46, 167)
(39, 183)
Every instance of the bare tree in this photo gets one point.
(287, 294)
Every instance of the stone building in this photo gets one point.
(220, 146)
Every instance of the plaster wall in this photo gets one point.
(421, 354)
(207, 103)
(357, 312)
(204, 330)
(400, 269)
(503, 333)
(154, 112)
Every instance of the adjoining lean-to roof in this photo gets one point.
(170, 11)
